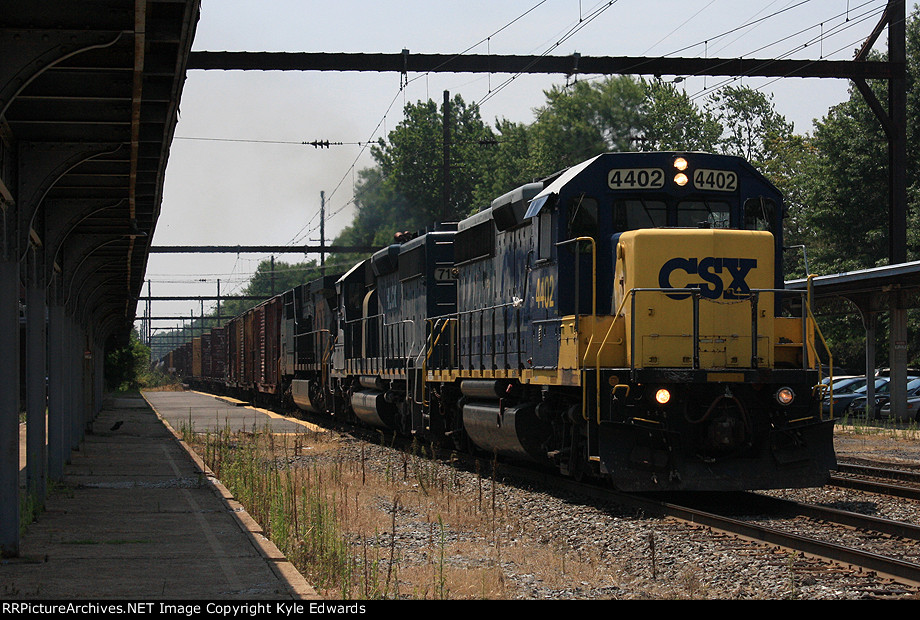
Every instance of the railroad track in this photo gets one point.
(874, 479)
(896, 569)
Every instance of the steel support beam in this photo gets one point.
(897, 209)
(562, 65)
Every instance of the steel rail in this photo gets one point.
(893, 568)
(875, 486)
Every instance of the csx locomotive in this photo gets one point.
(624, 318)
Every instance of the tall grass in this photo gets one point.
(356, 530)
(300, 508)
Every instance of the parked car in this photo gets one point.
(855, 403)
(912, 410)
(844, 390)
(836, 378)
(858, 405)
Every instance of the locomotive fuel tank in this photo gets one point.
(500, 427)
(371, 407)
(300, 391)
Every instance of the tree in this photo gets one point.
(411, 161)
(270, 278)
(568, 129)
(672, 122)
(510, 161)
(125, 368)
(792, 165)
(751, 126)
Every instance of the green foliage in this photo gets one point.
(411, 162)
(751, 127)
(672, 122)
(270, 278)
(405, 190)
(127, 367)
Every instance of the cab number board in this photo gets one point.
(715, 180)
(636, 178)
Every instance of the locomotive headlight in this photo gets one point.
(663, 396)
(680, 179)
(680, 164)
(785, 396)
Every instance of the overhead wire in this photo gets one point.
(852, 21)
(571, 32)
(583, 22)
(300, 234)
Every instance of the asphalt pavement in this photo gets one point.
(139, 517)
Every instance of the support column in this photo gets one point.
(9, 406)
(58, 445)
(898, 354)
(98, 379)
(75, 383)
(36, 376)
(9, 374)
(870, 322)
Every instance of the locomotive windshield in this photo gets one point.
(639, 213)
(703, 214)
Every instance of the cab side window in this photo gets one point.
(582, 217)
(759, 214)
(545, 235)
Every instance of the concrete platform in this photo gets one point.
(138, 518)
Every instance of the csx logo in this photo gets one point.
(709, 270)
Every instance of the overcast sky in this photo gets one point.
(238, 173)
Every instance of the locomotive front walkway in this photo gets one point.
(138, 518)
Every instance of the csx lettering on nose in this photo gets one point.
(709, 270)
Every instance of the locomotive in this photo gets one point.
(624, 319)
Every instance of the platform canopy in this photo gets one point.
(89, 99)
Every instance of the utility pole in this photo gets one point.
(445, 200)
(149, 314)
(273, 275)
(322, 232)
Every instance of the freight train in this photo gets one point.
(624, 319)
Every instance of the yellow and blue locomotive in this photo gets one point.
(625, 318)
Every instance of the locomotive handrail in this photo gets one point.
(458, 317)
(324, 376)
(807, 314)
(432, 343)
(581, 369)
(830, 356)
(694, 293)
(411, 347)
(597, 365)
(752, 294)
(578, 280)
